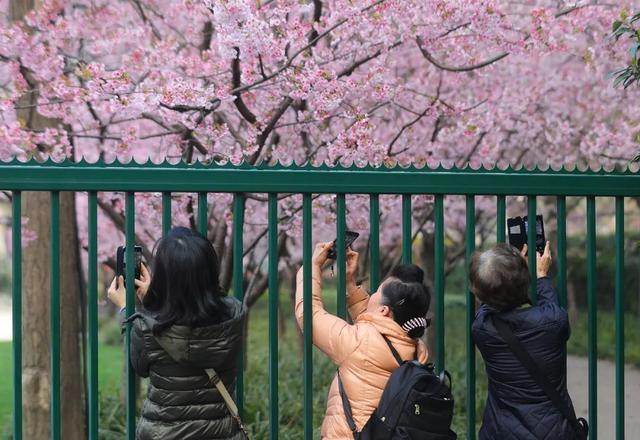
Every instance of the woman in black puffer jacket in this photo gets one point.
(184, 307)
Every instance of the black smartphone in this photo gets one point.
(349, 238)
(121, 261)
(515, 229)
(518, 229)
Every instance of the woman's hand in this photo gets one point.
(352, 266)
(544, 261)
(142, 284)
(320, 254)
(117, 293)
(523, 253)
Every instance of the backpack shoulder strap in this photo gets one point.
(395, 353)
(534, 370)
(347, 408)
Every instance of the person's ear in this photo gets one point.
(385, 311)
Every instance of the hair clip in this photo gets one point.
(414, 323)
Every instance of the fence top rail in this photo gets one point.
(213, 177)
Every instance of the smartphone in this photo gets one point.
(518, 229)
(121, 261)
(540, 239)
(349, 238)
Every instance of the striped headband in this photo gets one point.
(414, 323)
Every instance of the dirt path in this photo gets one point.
(5, 318)
(578, 387)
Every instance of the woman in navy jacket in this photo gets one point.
(517, 408)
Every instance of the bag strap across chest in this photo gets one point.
(211, 373)
(520, 352)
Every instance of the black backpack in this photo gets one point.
(415, 404)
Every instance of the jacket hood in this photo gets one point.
(210, 346)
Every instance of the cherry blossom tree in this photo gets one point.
(339, 81)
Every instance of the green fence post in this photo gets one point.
(92, 314)
(341, 227)
(501, 219)
(470, 240)
(307, 247)
(374, 241)
(407, 239)
(562, 249)
(238, 286)
(166, 212)
(55, 315)
(531, 246)
(202, 213)
(439, 280)
(619, 318)
(16, 313)
(592, 323)
(130, 310)
(273, 316)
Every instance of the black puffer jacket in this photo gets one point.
(180, 404)
(517, 408)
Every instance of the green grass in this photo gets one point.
(606, 337)
(110, 360)
(291, 373)
(6, 384)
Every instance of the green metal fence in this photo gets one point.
(202, 179)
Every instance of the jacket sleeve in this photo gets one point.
(548, 299)
(138, 349)
(357, 300)
(546, 293)
(334, 336)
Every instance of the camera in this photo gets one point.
(349, 238)
(518, 228)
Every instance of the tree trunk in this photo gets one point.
(36, 324)
(427, 257)
(36, 378)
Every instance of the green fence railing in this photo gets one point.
(201, 179)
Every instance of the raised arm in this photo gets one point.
(334, 336)
(357, 298)
(546, 292)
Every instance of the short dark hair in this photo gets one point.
(185, 286)
(500, 277)
(407, 297)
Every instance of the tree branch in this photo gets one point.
(494, 59)
(237, 81)
(262, 138)
(466, 159)
(119, 222)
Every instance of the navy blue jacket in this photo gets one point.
(517, 408)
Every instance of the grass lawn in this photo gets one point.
(110, 359)
(6, 385)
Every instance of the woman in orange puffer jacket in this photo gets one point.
(363, 357)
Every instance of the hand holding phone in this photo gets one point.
(121, 262)
(349, 238)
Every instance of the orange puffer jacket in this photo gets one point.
(360, 352)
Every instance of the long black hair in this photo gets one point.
(185, 286)
(408, 298)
